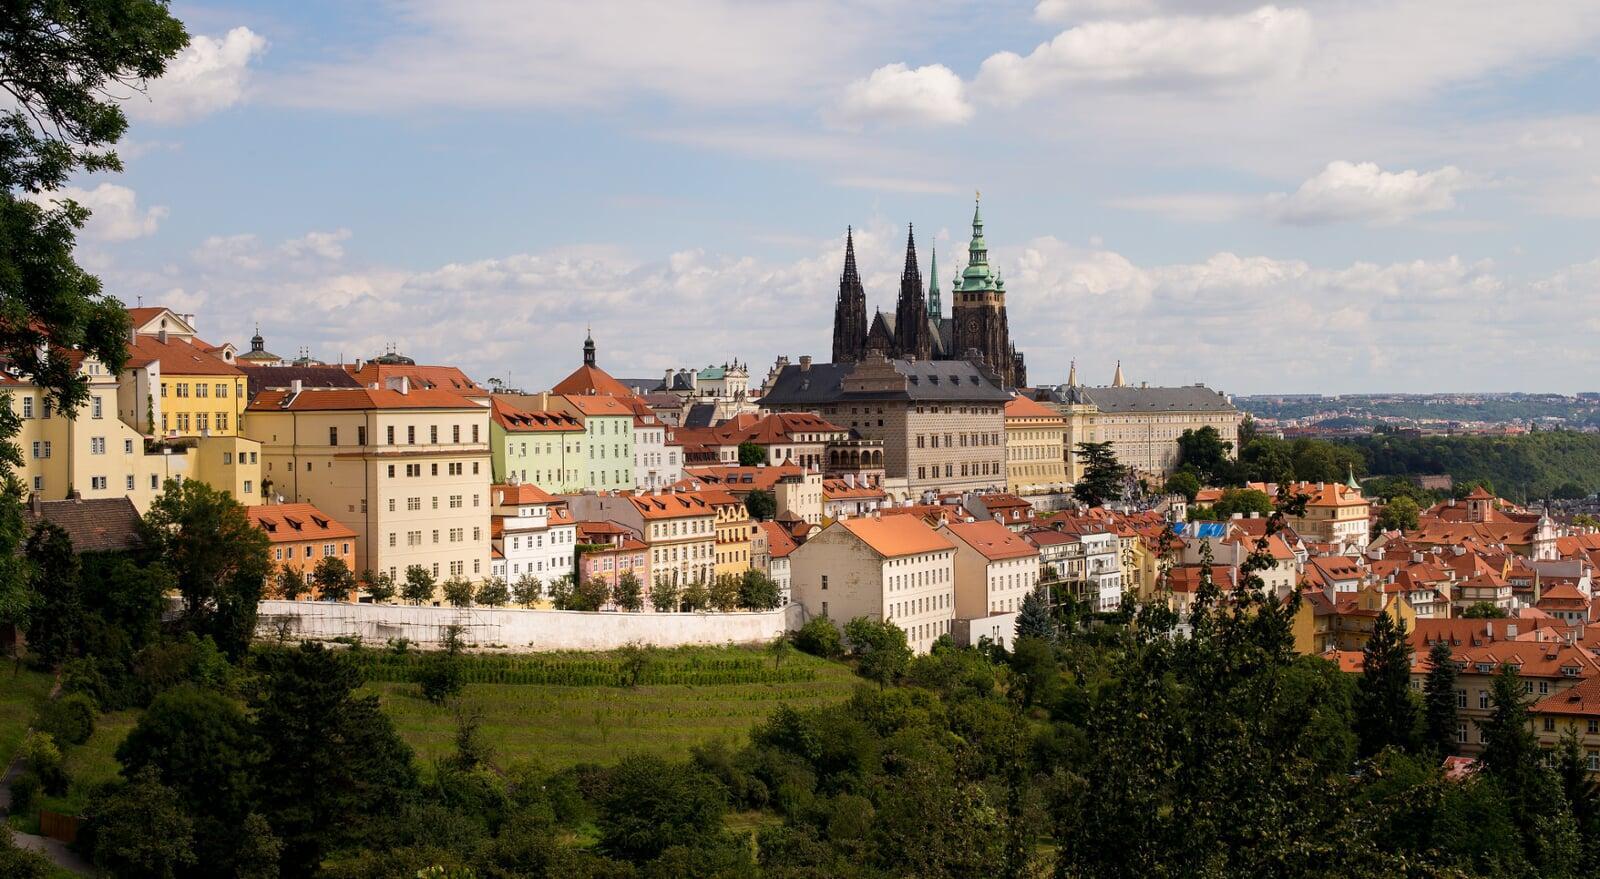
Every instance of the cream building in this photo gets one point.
(679, 527)
(995, 571)
(1142, 423)
(407, 469)
(1036, 451)
(893, 568)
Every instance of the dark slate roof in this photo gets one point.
(936, 380)
(282, 378)
(641, 386)
(1194, 398)
(96, 525)
(700, 415)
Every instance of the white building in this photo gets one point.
(893, 568)
(779, 547)
(532, 533)
(995, 571)
(655, 463)
(1085, 557)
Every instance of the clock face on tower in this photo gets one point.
(969, 325)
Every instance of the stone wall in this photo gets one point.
(521, 630)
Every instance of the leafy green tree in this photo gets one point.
(68, 720)
(752, 454)
(1103, 477)
(663, 595)
(63, 65)
(56, 628)
(1385, 711)
(695, 596)
(933, 825)
(335, 582)
(629, 592)
(561, 592)
(460, 592)
(757, 591)
(589, 594)
(220, 559)
(379, 587)
(1205, 452)
(1033, 619)
(724, 592)
(418, 586)
(292, 585)
(140, 829)
(761, 505)
(439, 676)
(336, 765)
(1266, 459)
(1439, 700)
(1582, 794)
(494, 592)
(650, 804)
(880, 648)
(258, 850)
(1568, 491)
(1512, 757)
(1400, 514)
(819, 637)
(1315, 461)
(1243, 501)
(1483, 610)
(21, 863)
(527, 590)
(1184, 482)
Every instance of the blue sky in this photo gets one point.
(1324, 196)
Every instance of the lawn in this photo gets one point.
(21, 695)
(92, 763)
(559, 726)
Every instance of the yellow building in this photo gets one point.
(1332, 620)
(1035, 447)
(407, 469)
(735, 530)
(191, 396)
(679, 527)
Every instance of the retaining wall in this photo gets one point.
(520, 630)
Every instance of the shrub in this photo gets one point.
(819, 637)
(44, 758)
(69, 719)
(24, 790)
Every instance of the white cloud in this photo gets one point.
(1181, 53)
(322, 245)
(1073, 10)
(210, 74)
(114, 212)
(1346, 191)
(896, 93)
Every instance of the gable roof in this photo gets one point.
(1022, 407)
(993, 540)
(896, 536)
(591, 380)
(178, 358)
(779, 541)
(515, 419)
(95, 525)
(286, 523)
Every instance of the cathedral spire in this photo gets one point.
(911, 255)
(935, 307)
(851, 277)
(1072, 374)
(850, 309)
(913, 337)
(1117, 381)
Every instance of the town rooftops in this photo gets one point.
(779, 541)
(520, 493)
(591, 381)
(671, 505)
(992, 540)
(809, 383)
(286, 523)
(592, 406)
(338, 399)
(1022, 407)
(282, 378)
(896, 536)
(95, 525)
(178, 357)
(444, 378)
(515, 419)
(1582, 700)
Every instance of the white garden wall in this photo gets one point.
(520, 630)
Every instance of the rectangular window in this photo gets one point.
(97, 445)
(222, 421)
(455, 433)
(200, 389)
(433, 434)
(361, 434)
(333, 436)
(411, 435)
(97, 483)
(222, 390)
(95, 406)
(130, 482)
(474, 433)
(127, 447)
(27, 407)
(389, 433)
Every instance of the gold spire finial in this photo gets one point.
(977, 195)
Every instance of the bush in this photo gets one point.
(69, 719)
(819, 637)
(44, 758)
(24, 790)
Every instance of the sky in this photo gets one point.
(1327, 196)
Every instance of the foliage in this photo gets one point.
(527, 590)
(1033, 619)
(418, 585)
(379, 587)
(1399, 514)
(292, 585)
(439, 673)
(1183, 481)
(629, 592)
(1439, 701)
(666, 667)
(663, 595)
(650, 804)
(695, 596)
(723, 594)
(757, 591)
(752, 454)
(140, 829)
(880, 648)
(219, 558)
(1205, 453)
(1385, 711)
(1243, 501)
(1525, 467)
(494, 592)
(56, 627)
(590, 593)
(1483, 610)
(25, 788)
(335, 582)
(43, 758)
(819, 637)
(561, 591)
(69, 719)
(459, 591)
(761, 505)
(1103, 477)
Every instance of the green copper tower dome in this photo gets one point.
(977, 276)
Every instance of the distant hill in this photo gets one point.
(1521, 468)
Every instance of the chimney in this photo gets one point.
(296, 386)
(805, 363)
(400, 383)
(161, 336)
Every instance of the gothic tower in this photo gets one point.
(850, 310)
(978, 309)
(913, 335)
(935, 308)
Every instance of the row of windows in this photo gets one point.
(457, 569)
(308, 552)
(558, 537)
(676, 529)
(96, 407)
(560, 563)
(202, 421)
(670, 554)
(572, 448)
(454, 468)
(414, 504)
(454, 535)
(920, 605)
(951, 440)
(618, 477)
(978, 468)
(897, 582)
(201, 389)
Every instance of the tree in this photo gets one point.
(1033, 620)
(752, 454)
(439, 674)
(589, 594)
(526, 590)
(696, 596)
(1439, 701)
(418, 586)
(460, 591)
(219, 557)
(292, 585)
(56, 628)
(1205, 452)
(1183, 482)
(61, 67)
(1103, 477)
(629, 592)
(1568, 491)
(379, 587)
(1385, 712)
(494, 592)
(757, 591)
(561, 590)
(1483, 610)
(1400, 514)
(1315, 462)
(140, 829)
(664, 595)
(649, 804)
(724, 594)
(334, 580)
(880, 649)
(819, 637)
(335, 762)
(20, 863)
(761, 505)
(1243, 501)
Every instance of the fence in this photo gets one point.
(521, 630)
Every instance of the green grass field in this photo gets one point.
(20, 697)
(92, 763)
(559, 726)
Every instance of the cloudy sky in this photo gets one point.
(1330, 195)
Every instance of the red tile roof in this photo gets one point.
(896, 536)
(335, 399)
(179, 358)
(591, 381)
(779, 542)
(993, 540)
(285, 523)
